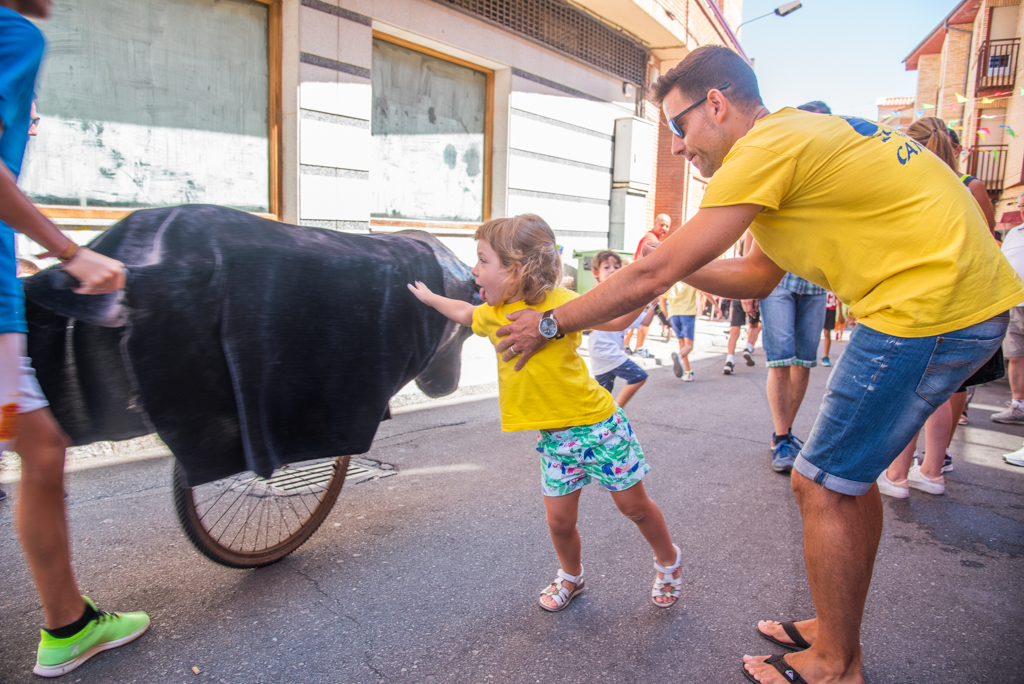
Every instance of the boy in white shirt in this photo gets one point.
(608, 358)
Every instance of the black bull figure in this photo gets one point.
(246, 343)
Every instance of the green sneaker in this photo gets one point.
(109, 630)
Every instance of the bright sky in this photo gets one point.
(847, 53)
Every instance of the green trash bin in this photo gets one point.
(584, 275)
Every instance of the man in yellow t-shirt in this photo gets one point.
(867, 213)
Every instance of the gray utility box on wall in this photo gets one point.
(631, 181)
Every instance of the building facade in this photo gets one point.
(969, 74)
(370, 116)
(896, 112)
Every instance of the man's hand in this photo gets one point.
(648, 248)
(97, 274)
(522, 336)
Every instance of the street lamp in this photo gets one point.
(781, 11)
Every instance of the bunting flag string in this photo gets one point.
(960, 98)
(1010, 131)
(927, 106)
(920, 113)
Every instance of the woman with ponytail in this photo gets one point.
(935, 134)
(906, 471)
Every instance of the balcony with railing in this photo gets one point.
(997, 64)
(987, 163)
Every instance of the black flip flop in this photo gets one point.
(799, 643)
(784, 669)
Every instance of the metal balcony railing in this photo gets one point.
(988, 164)
(997, 64)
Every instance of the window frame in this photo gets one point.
(99, 218)
(389, 225)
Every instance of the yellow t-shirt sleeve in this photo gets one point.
(751, 175)
(484, 320)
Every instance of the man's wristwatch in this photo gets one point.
(549, 326)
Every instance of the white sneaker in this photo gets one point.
(1011, 416)
(890, 488)
(918, 480)
(1016, 458)
(688, 376)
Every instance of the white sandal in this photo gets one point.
(668, 586)
(559, 593)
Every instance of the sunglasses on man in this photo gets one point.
(673, 123)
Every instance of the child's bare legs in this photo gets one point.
(626, 394)
(561, 514)
(627, 339)
(685, 347)
(641, 336)
(828, 343)
(641, 509)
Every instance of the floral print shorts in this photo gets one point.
(607, 452)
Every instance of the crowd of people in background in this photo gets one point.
(788, 322)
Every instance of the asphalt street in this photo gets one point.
(433, 575)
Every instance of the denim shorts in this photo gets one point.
(682, 326)
(607, 452)
(791, 326)
(880, 393)
(628, 371)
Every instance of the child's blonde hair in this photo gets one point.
(525, 245)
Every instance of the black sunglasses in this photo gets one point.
(673, 123)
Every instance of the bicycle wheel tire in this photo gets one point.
(246, 521)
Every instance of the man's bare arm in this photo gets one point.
(698, 241)
(753, 276)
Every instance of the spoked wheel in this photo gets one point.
(246, 521)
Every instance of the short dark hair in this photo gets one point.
(711, 66)
(815, 106)
(601, 257)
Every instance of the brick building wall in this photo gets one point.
(674, 191)
(954, 75)
(929, 72)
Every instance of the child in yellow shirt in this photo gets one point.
(584, 436)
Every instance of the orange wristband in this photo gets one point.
(69, 253)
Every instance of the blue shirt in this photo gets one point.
(21, 51)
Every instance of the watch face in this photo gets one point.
(548, 327)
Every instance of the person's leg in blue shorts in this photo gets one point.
(634, 375)
(683, 327)
(861, 427)
(792, 326)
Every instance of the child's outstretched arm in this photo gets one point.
(455, 309)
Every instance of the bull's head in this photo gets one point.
(441, 376)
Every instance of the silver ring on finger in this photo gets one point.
(513, 350)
